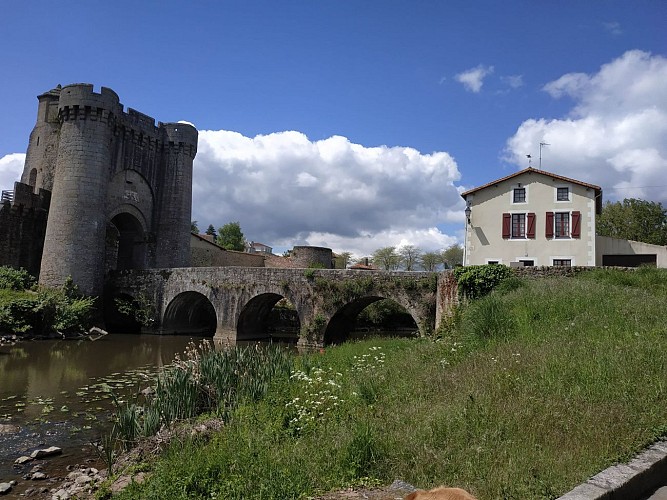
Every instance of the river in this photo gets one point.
(59, 393)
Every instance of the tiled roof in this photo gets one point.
(532, 170)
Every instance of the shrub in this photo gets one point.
(477, 281)
(15, 279)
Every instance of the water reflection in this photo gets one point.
(59, 391)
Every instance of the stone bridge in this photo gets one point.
(234, 303)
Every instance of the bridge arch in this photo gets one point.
(190, 312)
(255, 319)
(343, 321)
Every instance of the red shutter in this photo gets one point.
(507, 225)
(576, 224)
(549, 228)
(530, 231)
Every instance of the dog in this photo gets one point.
(440, 493)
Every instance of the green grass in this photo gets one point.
(534, 389)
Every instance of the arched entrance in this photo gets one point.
(190, 313)
(125, 243)
(268, 316)
(370, 316)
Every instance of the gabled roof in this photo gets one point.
(530, 170)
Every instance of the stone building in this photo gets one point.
(120, 190)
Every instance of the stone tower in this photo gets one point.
(121, 187)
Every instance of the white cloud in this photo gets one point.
(473, 79)
(286, 190)
(613, 27)
(11, 168)
(513, 81)
(615, 135)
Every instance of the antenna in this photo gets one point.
(542, 144)
(530, 159)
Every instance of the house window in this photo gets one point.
(527, 262)
(519, 195)
(563, 194)
(562, 262)
(562, 224)
(558, 225)
(518, 225)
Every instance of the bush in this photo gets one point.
(15, 279)
(477, 281)
(46, 311)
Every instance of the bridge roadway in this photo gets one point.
(234, 303)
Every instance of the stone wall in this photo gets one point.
(204, 253)
(22, 227)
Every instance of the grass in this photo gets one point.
(533, 390)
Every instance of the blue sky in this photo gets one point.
(354, 125)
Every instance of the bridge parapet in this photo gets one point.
(326, 301)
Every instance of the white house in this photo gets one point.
(532, 218)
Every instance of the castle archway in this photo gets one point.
(126, 243)
(268, 316)
(190, 313)
(387, 317)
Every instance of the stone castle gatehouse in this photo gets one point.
(120, 189)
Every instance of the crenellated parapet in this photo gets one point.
(120, 185)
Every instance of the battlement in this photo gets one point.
(23, 196)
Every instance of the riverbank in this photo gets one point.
(531, 391)
(59, 393)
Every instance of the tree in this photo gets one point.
(211, 231)
(453, 256)
(386, 258)
(230, 237)
(342, 260)
(634, 219)
(430, 261)
(409, 255)
(193, 227)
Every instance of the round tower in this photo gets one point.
(40, 160)
(75, 233)
(175, 195)
(307, 256)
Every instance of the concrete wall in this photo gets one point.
(606, 245)
(483, 237)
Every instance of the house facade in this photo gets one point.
(532, 218)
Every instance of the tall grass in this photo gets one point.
(535, 389)
(203, 381)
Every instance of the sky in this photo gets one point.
(356, 125)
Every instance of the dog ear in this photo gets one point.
(412, 495)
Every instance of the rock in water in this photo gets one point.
(46, 452)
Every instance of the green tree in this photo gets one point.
(342, 260)
(409, 255)
(453, 256)
(634, 219)
(386, 258)
(231, 237)
(430, 261)
(211, 231)
(193, 227)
